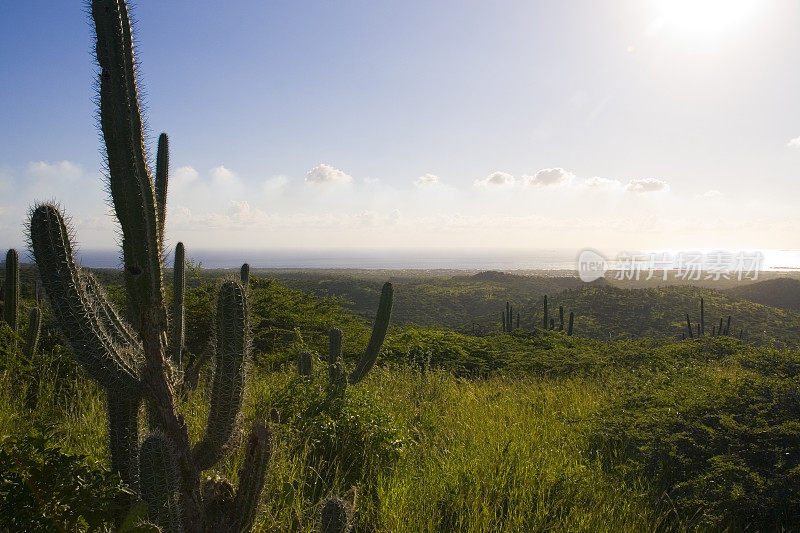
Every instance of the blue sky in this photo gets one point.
(625, 124)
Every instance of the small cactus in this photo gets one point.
(304, 363)
(335, 516)
(11, 291)
(546, 315)
(33, 333)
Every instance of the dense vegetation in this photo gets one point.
(520, 431)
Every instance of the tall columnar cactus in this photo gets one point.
(244, 275)
(130, 361)
(11, 291)
(546, 315)
(689, 326)
(177, 339)
(560, 318)
(728, 326)
(571, 322)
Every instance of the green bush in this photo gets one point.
(721, 444)
(349, 440)
(44, 489)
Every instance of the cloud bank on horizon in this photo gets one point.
(426, 125)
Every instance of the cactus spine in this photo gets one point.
(178, 314)
(130, 363)
(11, 291)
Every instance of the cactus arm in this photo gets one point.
(367, 360)
(119, 331)
(114, 366)
(162, 180)
(129, 176)
(32, 336)
(228, 384)
(159, 479)
(11, 290)
(251, 479)
(178, 315)
(123, 433)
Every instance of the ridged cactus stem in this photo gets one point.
(178, 314)
(162, 180)
(32, 335)
(159, 478)
(123, 434)
(546, 315)
(228, 383)
(504, 322)
(79, 308)
(367, 360)
(571, 322)
(689, 326)
(251, 478)
(11, 291)
(336, 375)
(719, 330)
(130, 182)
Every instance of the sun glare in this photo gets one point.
(704, 17)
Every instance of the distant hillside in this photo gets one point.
(783, 293)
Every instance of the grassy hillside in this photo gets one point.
(522, 431)
(783, 293)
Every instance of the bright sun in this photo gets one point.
(704, 17)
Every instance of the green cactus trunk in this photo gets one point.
(728, 326)
(244, 275)
(546, 315)
(379, 328)
(689, 326)
(178, 315)
(11, 291)
(160, 482)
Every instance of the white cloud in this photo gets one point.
(647, 185)
(222, 175)
(183, 176)
(54, 171)
(496, 179)
(275, 184)
(713, 193)
(794, 143)
(325, 174)
(607, 184)
(426, 180)
(549, 177)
